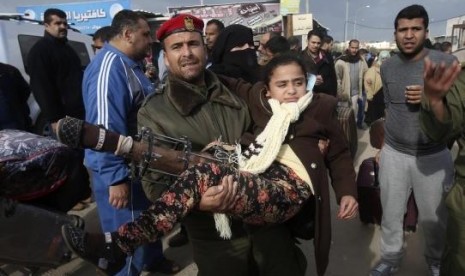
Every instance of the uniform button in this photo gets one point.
(291, 136)
(313, 166)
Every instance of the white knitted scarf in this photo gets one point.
(270, 141)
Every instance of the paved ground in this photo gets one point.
(355, 246)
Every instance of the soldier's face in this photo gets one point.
(185, 56)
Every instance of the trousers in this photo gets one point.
(427, 176)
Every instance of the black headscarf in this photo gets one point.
(238, 64)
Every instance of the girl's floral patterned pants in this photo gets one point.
(273, 196)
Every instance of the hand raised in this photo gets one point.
(438, 79)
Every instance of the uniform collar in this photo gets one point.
(187, 97)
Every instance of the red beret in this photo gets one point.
(180, 23)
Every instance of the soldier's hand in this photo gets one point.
(220, 198)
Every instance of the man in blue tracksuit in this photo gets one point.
(114, 87)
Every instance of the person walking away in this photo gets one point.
(374, 89)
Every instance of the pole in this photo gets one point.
(347, 21)
(307, 6)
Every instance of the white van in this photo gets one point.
(18, 35)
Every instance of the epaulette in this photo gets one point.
(159, 90)
(160, 87)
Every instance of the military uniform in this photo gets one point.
(452, 128)
(204, 114)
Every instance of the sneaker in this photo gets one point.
(99, 250)
(434, 269)
(179, 239)
(383, 269)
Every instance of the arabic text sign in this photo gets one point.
(252, 15)
(302, 24)
(290, 7)
(87, 17)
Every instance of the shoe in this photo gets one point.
(383, 269)
(179, 239)
(94, 249)
(434, 269)
(164, 266)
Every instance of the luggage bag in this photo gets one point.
(369, 201)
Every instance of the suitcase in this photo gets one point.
(31, 236)
(377, 133)
(346, 118)
(369, 202)
(32, 166)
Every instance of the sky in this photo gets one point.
(375, 23)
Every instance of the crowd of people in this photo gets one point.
(277, 106)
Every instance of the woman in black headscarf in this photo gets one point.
(234, 55)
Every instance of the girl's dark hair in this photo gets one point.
(284, 59)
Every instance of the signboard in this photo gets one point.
(290, 7)
(87, 17)
(302, 24)
(260, 17)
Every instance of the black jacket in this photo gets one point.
(56, 78)
(325, 68)
(14, 92)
